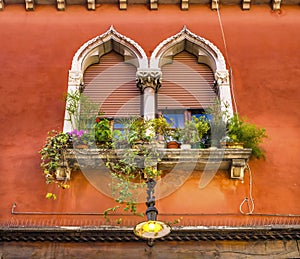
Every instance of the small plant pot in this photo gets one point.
(173, 145)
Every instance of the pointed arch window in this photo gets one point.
(104, 69)
(193, 75)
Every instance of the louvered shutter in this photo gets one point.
(111, 84)
(186, 84)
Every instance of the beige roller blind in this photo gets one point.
(111, 84)
(186, 84)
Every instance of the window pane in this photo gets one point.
(174, 117)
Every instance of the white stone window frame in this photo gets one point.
(149, 77)
(91, 52)
(206, 52)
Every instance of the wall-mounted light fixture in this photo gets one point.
(151, 229)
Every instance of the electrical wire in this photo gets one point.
(250, 200)
(227, 57)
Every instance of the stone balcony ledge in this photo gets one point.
(233, 159)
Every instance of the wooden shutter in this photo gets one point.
(111, 84)
(186, 84)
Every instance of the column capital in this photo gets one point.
(222, 77)
(148, 78)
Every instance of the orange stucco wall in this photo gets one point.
(36, 50)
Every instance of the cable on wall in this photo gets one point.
(249, 200)
(226, 53)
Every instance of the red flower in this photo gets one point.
(98, 119)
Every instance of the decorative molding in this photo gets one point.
(111, 34)
(246, 4)
(214, 4)
(222, 77)
(1, 5)
(125, 234)
(75, 78)
(91, 5)
(237, 169)
(153, 4)
(29, 5)
(61, 5)
(276, 5)
(186, 35)
(185, 5)
(123, 4)
(148, 78)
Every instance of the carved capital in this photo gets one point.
(75, 77)
(148, 78)
(222, 77)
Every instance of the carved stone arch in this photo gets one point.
(91, 52)
(205, 51)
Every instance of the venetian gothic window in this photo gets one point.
(183, 76)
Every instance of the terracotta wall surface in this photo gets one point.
(36, 50)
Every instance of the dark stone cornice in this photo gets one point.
(125, 234)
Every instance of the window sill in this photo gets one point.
(232, 159)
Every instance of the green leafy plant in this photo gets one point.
(161, 128)
(81, 110)
(103, 133)
(53, 163)
(137, 130)
(189, 133)
(134, 165)
(240, 130)
(217, 123)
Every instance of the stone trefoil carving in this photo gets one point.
(148, 78)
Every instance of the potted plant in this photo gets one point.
(189, 134)
(79, 138)
(102, 132)
(137, 132)
(52, 155)
(174, 138)
(239, 130)
(162, 130)
(202, 127)
(217, 123)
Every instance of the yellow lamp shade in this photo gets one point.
(152, 229)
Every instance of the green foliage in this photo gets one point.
(160, 127)
(217, 124)
(81, 110)
(102, 132)
(137, 130)
(239, 130)
(194, 130)
(202, 126)
(50, 195)
(130, 170)
(51, 155)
